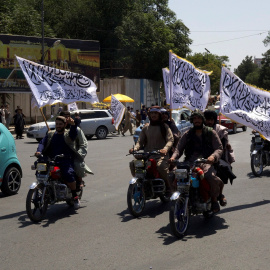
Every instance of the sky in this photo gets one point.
(211, 22)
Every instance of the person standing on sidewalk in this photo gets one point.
(19, 124)
(7, 116)
(3, 118)
(128, 124)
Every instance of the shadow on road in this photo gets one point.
(264, 173)
(54, 214)
(151, 210)
(199, 227)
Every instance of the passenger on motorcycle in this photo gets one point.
(81, 145)
(202, 142)
(60, 142)
(211, 121)
(156, 136)
(170, 122)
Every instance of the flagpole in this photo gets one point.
(44, 119)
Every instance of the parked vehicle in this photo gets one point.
(259, 152)
(232, 126)
(93, 123)
(146, 184)
(49, 188)
(10, 167)
(180, 117)
(190, 198)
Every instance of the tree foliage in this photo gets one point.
(247, 66)
(264, 77)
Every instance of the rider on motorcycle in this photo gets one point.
(60, 142)
(156, 136)
(203, 142)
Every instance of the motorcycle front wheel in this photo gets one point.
(35, 208)
(179, 217)
(136, 199)
(257, 164)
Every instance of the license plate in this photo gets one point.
(42, 167)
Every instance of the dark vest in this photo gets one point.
(194, 144)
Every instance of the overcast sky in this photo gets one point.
(239, 20)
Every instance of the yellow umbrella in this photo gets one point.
(120, 97)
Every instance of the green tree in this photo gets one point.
(267, 40)
(253, 77)
(264, 78)
(247, 66)
(21, 18)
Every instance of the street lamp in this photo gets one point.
(207, 54)
(43, 54)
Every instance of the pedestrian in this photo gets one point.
(3, 118)
(7, 116)
(143, 113)
(128, 125)
(133, 121)
(19, 124)
(138, 118)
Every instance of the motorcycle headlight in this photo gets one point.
(258, 139)
(180, 173)
(42, 167)
(139, 163)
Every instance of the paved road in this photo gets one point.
(102, 234)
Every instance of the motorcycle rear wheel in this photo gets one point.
(135, 199)
(178, 220)
(257, 164)
(36, 210)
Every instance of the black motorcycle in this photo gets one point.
(259, 152)
(49, 188)
(191, 196)
(146, 183)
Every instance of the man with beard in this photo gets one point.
(156, 136)
(202, 142)
(60, 142)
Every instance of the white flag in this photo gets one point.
(244, 104)
(51, 85)
(166, 79)
(72, 107)
(189, 86)
(118, 110)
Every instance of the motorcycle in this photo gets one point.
(259, 152)
(146, 183)
(49, 188)
(190, 198)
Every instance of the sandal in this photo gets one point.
(222, 200)
(215, 207)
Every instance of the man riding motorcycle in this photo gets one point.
(60, 142)
(156, 136)
(203, 142)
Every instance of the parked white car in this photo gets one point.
(93, 123)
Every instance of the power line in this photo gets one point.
(230, 31)
(228, 39)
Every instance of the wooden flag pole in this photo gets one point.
(44, 119)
